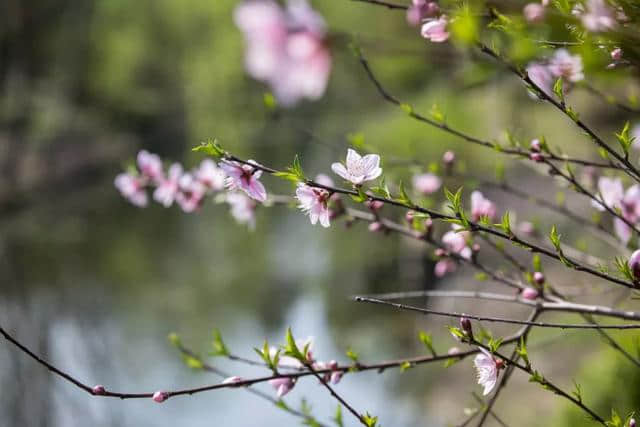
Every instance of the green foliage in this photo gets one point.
(352, 355)
(622, 264)
(624, 139)
(427, 340)
(337, 418)
(210, 147)
(219, 347)
(370, 420)
(465, 25)
(292, 173)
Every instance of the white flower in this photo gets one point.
(567, 66)
(488, 369)
(358, 168)
(313, 201)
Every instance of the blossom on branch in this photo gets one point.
(566, 66)
(598, 17)
(482, 207)
(612, 195)
(150, 166)
(419, 10)
(210, 175)
(358, 168)
(487, 368)
(435, 30)
(282, 385)
(243, 208)
(244, 177)
(426, 183)
(132, 188)
(168, 187)
(314, 202)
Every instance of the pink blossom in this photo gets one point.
(358, 168)
(168, 187)
(421, 9)
(569, 67)
(444, 266)
(599, 16)
(150, 166)
(534, 12)
(455, 241)
(313, 201)
(160, 396)
(613, 196)
(487, 370)
(435, 30)
(286, 48)
(376, 226)
(529, 294)
(448, 158)
(132, 188)
(539, 278)
(482, 207)
(541, 76)
(191, 193)
(282, 385)
(616, 54)
(426, 183)
(210, 175)
(243, 209)
(98, 390)
(527, 228)
(244, 177)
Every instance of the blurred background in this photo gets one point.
(94, 284)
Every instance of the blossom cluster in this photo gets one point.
(562, 65)
(433, 24)
(286, 48)
(611, 194)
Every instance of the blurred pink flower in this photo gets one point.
(612, 195)
(282, 385)
(210, 175)
(132, 188)
(534, 12)
(487, 370)
(159, 396)
(482, 207)
(444, 266)
(150, 166)
(541, 76)
(569, 67)
(244, 177)
(599, 16)
(420, 10)
(529, 294)
(435, 30)
(232, 380)
(426, 183)
(359, 168)
(168, 187)
(313, 201)
(286, 48)
(455, 241)
(243, 209)
(191, 193)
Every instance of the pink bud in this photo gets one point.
(535, 145)
(432, 9)
(333, 365)
(453, 350)
(465, 325)
(448, 158)
(536, 157)
(529, 294)
(160, 396)
(539, 278)
(98, 390)
(526, 228)
(409, 216)
(439, 252)
(428, 223)
(616, 54)
(632, 422)
(375, 226)
(634, 264)
(374, 205)
(336, 376)
(475, 248)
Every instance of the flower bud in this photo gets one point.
(539, 278)
(616, 54)
(529, 294)
(374, 205)
(453, 350)
(98, 390)
(465, 325)
(499, 363)
(632, 422)
(232, 380)
(535, 145)
(376, 226)
(160, 396)
(634, 264)
(536, 157)
(534, 12)
(333, 365)
(448, 158)
(409, 216)
(439, 252)
(527, 228)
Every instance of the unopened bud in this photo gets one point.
(333, 365)
(634, 264)
(160, 396)
(98, 390)
(409, 216)
(616, 54)
(232, 380)
(439, 252)
(375, 226)
(374, 205)
(465, 325)
(539, 278)
(535, 145)
(529, 294)
(453, 350)
(536, 157)
(499, 363)
(632, 422)
(448, 158)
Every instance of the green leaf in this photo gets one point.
(291, 349)
(624, 139)
(352, 355)
(382, 190)
(436, 114)
(404, 197)
(558, 90)
(292, 173)
(407, 108)
(269, 101)
(537, 263)
(521, 350)
(370, 420)
(174, 339)
(623, 267)
(337, 418)
(404, 366)
(506, 224)
(210, 147)
(494, 344)
(192, 362)
(555, 237)
(219, 347)
(427, 340)
(356, 139)
(361, 197)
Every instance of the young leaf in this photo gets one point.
(210, 147)
(219, 347)
(427, 340)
